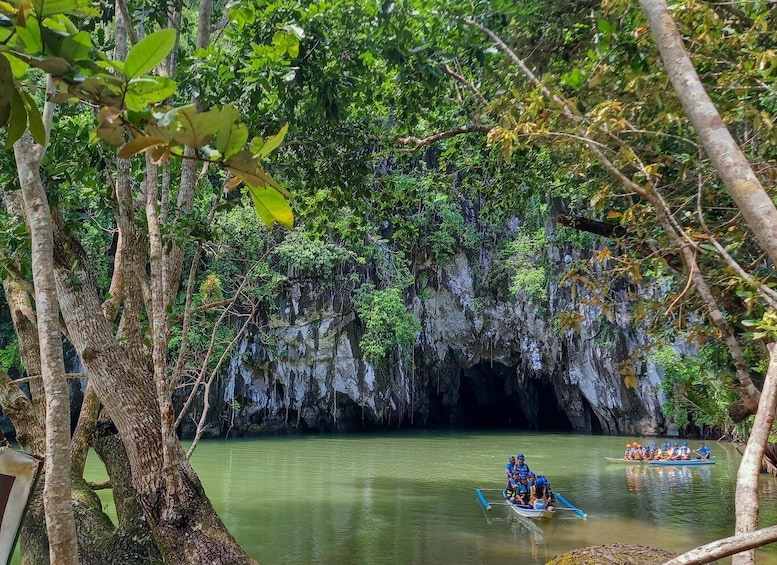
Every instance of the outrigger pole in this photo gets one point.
(570, 506)
(482, 499)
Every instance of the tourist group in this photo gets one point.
(526, 489)
(667, 451)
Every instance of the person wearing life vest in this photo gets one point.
(703, 451)
(539, 498)
(684, 451)
(521, 464)
(523, 493)
(511, 488)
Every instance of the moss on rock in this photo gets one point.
(613, 554)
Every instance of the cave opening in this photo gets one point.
(490, 397)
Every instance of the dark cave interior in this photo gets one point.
(488, 399)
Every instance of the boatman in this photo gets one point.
(510, 467)
(703, 451)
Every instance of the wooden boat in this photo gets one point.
(663, 462)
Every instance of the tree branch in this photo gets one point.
(418, 142)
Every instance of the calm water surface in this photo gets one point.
(410, 498)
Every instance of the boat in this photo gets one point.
(662, 462)
(626, 461)
(529, 512)
(681, 462)
(561, 504)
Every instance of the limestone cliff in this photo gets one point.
(480, 361)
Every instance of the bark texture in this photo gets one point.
(185, 526)
(60, 524)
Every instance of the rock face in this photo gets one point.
(479, 362)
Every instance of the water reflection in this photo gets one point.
(665, 479)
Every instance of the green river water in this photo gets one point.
(410, 498)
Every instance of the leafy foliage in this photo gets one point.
(392, 331)
(696, 391)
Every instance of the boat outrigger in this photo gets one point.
(662, 462)
(562, 504)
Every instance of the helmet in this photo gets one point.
(520, 456)
(676, 444)
(685, 443)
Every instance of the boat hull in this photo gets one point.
(682, 463)
(663, 462)
(531, 512)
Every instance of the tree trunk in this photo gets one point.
(723, 150)
(60, 523)
(187, 530)
(746, 499)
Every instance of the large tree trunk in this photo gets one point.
(186, 527)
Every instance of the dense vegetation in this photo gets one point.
(408, 133)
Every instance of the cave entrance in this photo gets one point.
(489, 397)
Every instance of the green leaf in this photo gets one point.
(37, 128)
(146, 90)
(45, 8)
(231, 136)
(271, 207)
(7, 90)
(30, 37)
(77, 47)
(17, 123)
(149, 52)
(273, 142)
(573, 79)
(194, 128)
(19, 67)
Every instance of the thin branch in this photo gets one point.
(466, 83)
(38, 377)
(418, 142)
(769, 295)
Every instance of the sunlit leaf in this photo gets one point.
(194, 128)
(271, 207)
(30, 37)
(138, 145)
(45, 8)
(77, 47)
(149, 52)
(231, 136)
(143, 91)
(273, 141)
